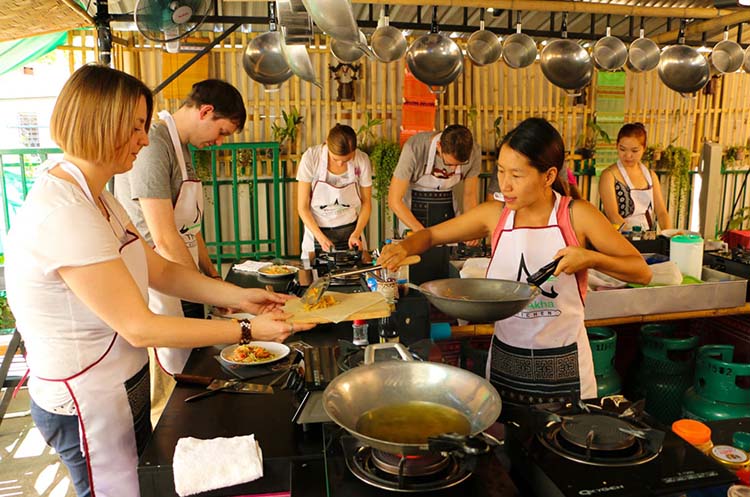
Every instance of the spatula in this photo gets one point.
(315, 291)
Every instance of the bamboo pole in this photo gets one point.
(698, 28)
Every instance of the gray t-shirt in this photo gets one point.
(414, 155)
(155, 174)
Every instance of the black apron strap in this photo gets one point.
(526, 376)
(138, 389)
(431, 208)
(339, 236)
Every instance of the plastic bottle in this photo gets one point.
(695, 433)
(359, 333)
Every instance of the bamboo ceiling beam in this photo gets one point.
(562, 6)
(75, 7)
(698, 28)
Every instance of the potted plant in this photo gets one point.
(286, 132)
(676, 160)
(586, 142)
(652, 155)
(734, 154)
(7, 321)
(366, 133)
(384, 158)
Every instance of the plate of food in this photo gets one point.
(277, 271)
(254, 353)
(675, 232)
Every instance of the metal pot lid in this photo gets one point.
(435, 59)
(264, 61)
(566, 64)
(683, 69)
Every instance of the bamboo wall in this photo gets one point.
(478, 97)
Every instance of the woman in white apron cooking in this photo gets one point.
(630, 192)
(334, 195)
(537, 223)
(77, 276)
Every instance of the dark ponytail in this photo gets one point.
(542, 145)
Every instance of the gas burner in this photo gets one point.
(741, 254)
(418, 473)
(601, 439)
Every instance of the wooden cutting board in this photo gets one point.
(348, 307)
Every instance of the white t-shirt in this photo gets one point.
(308, 168)
(58, 227)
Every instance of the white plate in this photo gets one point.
(279, 351)
(292, 270)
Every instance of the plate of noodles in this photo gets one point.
(277, 271)
(254, 353)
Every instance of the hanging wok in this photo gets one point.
(565, 63)
(484, 300)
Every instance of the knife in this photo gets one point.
(214, 385)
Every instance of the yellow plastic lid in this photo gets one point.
(693, 432)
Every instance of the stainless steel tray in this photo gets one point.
(718, 290)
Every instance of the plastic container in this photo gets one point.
(687, 252)
(415, 91)
(420, 117)
(359, 333)
(695, 433)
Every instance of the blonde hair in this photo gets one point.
(95, 111)
(342, 140)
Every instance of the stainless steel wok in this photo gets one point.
(643, 54)
(435, 59)
(381, 384)
(483, 47)
(519, 49)
(346, 52)
(682, 68)
(264, 61)
(727, 55)
(610, 53)
(388, 43)
(484, 300)
(565, 63)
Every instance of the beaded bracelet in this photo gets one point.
(246, 331)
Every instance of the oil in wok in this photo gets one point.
(412, 422)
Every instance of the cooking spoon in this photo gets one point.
(315, 291)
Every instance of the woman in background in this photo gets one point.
(630, 192)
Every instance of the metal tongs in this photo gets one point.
(315, 291)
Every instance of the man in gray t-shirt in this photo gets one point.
(431, 165)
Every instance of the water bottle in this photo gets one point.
(359, 333)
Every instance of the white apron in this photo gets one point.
(643, 200)
(188, 212)
(441, 187)
(111, 394)
(332, 206)
(542, 353)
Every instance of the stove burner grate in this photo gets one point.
(438, 472)
(599, 440)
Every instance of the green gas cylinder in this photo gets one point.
(603, 347)
(716, 392)
(666, 370)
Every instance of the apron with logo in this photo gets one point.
(541, 354)
(642, 200)
(188, 212)
(334, 208)
(111, 395)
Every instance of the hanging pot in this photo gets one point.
(727, 56)
(746, 60)
(388, 43)
(567, 64)
(610, 53)
(346, 52)
(263, 59)
(335, 18)
(643, 54)
(682, 68)
(483, 47)
(519, 49)
(294, 21)
(299, 62)
(435, 59)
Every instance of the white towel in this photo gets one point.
(251, 266)
(202, 465)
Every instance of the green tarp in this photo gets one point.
(15, 53)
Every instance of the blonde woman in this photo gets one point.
(334, 197)
(77, 276)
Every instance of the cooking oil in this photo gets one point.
(412, 422)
